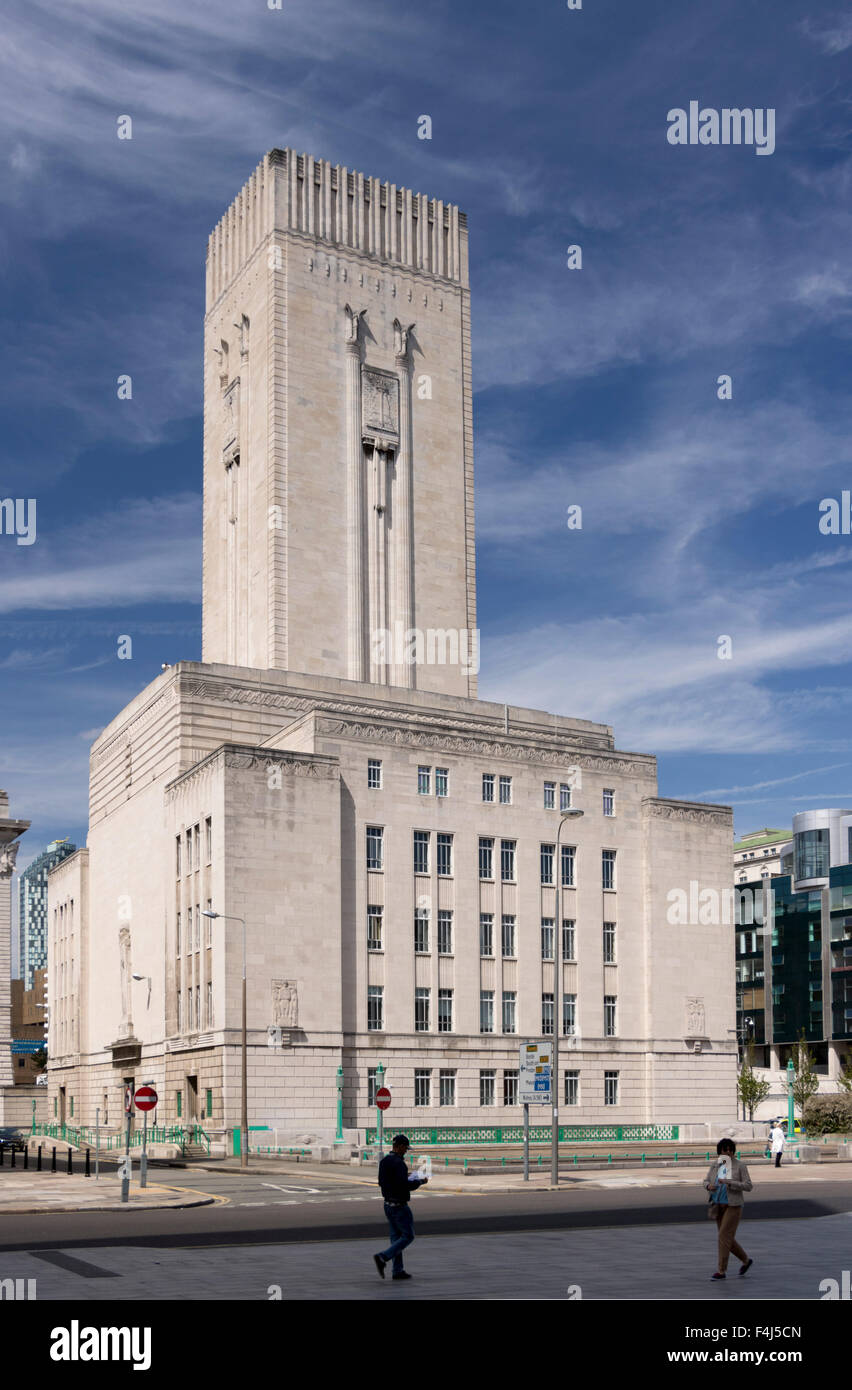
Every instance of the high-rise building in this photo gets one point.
(32, 909)
(326, 783)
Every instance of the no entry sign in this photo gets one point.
(146, 1098)
(383, 1097)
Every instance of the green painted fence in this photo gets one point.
(82, 1137)
(539, 1134)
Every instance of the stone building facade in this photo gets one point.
(328, 774)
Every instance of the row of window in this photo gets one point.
(491, 784)
(508, 1017)
(188, 935)
(508, 858)
(188, 848)
(189, 1013)
(508, 934)
(488, 1086)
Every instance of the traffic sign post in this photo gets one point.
(124, 1168)
(534, 1086)
(146, 1098)
(383, 1100)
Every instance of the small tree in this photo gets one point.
(805, 1081)
(844, 1080)
(750, 1088)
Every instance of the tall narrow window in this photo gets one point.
(421, 1009)
(424, 780)
(507, 860)
(445, 932)
(421, 851)
(547, 1015)
(177, 855)
(568, 855)
(445, 855)
(568, 951)
(486, 933)
(572, 1088)
(609, 943)
(421, 931)
(442, 781)
(375, 1008)
(549, 796)
(486, 857)
(374, 773)
(208, 839)
(510, 1087)
(422, 1087)
(507, 929)
(564, 796)
(447, 1087)
(445, 1011)
(486, 1011)
(209, 1003)
(506, 791)
(177, 952)
(608, 868)
(374, 928)
(509, 1000)
(375, 847)
(487, 1084)
(569, 1015)
(547, 932)
(609, 1016)
(372, 1085)
(547, 852)
(610, 1088)
(609, 801)
(488, 786)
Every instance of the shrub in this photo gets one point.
(829, 1115)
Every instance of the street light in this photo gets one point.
(557, 1005)
(244, 1129)
(148, 978)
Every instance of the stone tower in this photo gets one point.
(338, 468)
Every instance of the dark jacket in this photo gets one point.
(393, 1179)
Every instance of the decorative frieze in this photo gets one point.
(688, 811)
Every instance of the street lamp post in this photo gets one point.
(557, 1005)
(244, 1129)
(338, 1138)
(791, 1113)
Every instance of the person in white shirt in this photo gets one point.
(777, 1141)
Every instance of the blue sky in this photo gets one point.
(593, 387)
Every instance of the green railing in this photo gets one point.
(83, 1137)
(539, 1134)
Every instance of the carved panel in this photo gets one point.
(380, 401)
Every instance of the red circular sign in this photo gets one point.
(146, 1098)
(383, 1097)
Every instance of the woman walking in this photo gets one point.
(726, 1181)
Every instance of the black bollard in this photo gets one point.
(69, 1163)
(38, 1159)
(26, 1157)
(53, 1160)
(2, 1151)
(88, 1163)
(13, 1155)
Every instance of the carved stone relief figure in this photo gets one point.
(285, 1003)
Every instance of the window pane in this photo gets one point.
(448, 1088)
(424, 780)
(488, 786)
(508, 935)
(547, 932)
(422, 1087)
(486, 857)
(510, 1088)
(549, 796)
(421, 1010)
(608, 801)
(374, 928)
(486, 1011)
(508, 1011)
(547, 853)
(568, 866)
(375, 847)
(487, 1087)
(608, 867)
(445, 1010)
(609, 943)
(506, 790)
(421, 930)
(564, 796)
(445, 933)
(507, 860)
(572, 1088)
(547, 1015)
(374, 772)
(445, 855)
(568, 939)
(486, 933)
(442, 781)
(421, 851)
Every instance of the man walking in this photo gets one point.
(397, 1188)
(777, 1142)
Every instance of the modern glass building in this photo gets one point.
(794, 946)
(32, 915)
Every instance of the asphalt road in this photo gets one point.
(277, 1209)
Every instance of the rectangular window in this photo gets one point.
(445, 1011)
(507, 860)
(421, 1009)
(189, 928)
(486, 857)
(568, 855)
(572, 1088)
(208, 1103)
(610, 1088)
(445, 932)
(569, 1015)
(374, 773)
(72, 1107)
(488, 786)
(208, 840)
(422, 1088)
(421, 931)
(442, 781)
(189, 851)
(447, 1088)
(375, 1008)
(209, 1003)
(375, 847)
(487, 1087)
(547, 1015)
(372, 1085)
(608, 868)
(505, 791)
(564, 796)
(445, 855)
(547, 938)
(189, 1009)
(179, 1103)
(179, 1011)
(374, 928)
(508, 1011)
(421, 851)
(486, 1011)
(198, 1006)
(486, 933)
(550, 796)
(177, 935)
(547, 852)
(568, 939)
(609, 801)
(198, 927)
(510, 1088)
(609, 1016)
(609, 943)
(424, 780)
(507, 935)
(177, 855)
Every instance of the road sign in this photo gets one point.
(383, 1097)
(534, 1077)
(21, 1045)
(128, 1100)
(146, 1098)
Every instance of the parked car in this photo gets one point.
(11, 1138)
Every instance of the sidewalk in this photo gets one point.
(43, 1192)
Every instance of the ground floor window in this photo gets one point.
(572, 1088)
(487, 1087)
(448, 1088)
(209, 1104)
(510, 1088)
(610, 1088)
(423, 1088)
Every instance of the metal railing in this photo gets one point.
(84, 1137)
(539, 1134)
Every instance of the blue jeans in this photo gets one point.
(401, 1224)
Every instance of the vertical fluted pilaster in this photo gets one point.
(402, 562)
(355, 519)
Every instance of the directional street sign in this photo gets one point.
(383, 1097)
(534, 1077)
